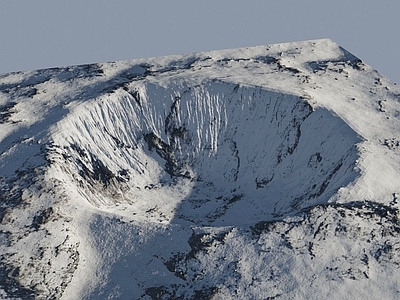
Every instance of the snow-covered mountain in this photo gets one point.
(269, 172)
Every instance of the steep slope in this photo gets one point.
(259, 172)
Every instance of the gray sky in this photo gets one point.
(46, 33)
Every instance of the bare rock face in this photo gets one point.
(261, 172)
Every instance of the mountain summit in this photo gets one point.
(268, 172)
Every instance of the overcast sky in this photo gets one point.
(46, 33)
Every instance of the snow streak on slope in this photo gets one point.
(261, 172)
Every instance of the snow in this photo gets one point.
(268, 171)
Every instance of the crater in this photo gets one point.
(212, 154)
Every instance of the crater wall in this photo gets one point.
(214, 153)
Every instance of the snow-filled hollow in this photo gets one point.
(211, 154)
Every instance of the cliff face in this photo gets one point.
(261, 171)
